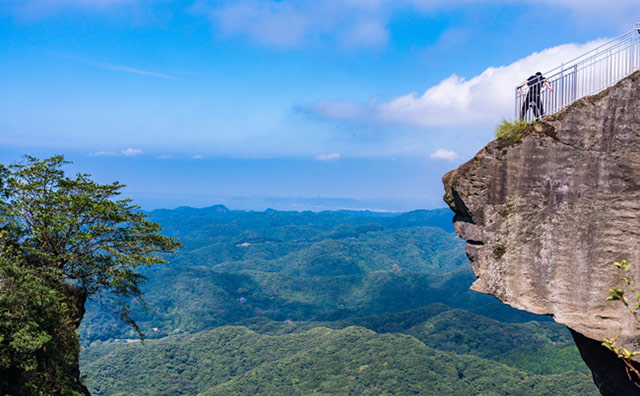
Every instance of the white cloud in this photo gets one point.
(198, 156)
(620, 12)
(337, 110)
(328, 157)
(444, 154)
(293, 23)
(289, 24)
(455, 101)
(102, 153)
(131, 152)
(367, 34)
(583, 11)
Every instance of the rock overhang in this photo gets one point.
(545, 217)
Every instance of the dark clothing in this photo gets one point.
(535, 84)
(533, 96)
(535, 103)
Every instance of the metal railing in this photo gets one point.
(585, 75)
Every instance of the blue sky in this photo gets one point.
(198, 102)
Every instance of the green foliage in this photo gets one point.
(616, 294)
(73, 226)
(499, 251)
(511, 130)
(38, 343)
(289, 277)
(464, 332)
(352, 361)
(63, 240)
(556, 359)
(290, 265)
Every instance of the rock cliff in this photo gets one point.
(546, 216)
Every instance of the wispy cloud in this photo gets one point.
(113, 66)
(346, 111)
(102, 153)
(38, 9)
(444, 155)
(365, 23)
(198, 156)
(131, 152)
(85, 3)
(328, 157)
(455, 101)
(289, 24)
(620, 13)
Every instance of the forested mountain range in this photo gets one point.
(332, 302)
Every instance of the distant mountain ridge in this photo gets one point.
(330, 296)
(318, 204)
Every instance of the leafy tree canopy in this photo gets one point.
(38, 343)
(78, 230)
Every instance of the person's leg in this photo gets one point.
(539, 105)
(535, 102)
(525, 107)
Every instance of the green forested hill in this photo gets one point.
(296, 303)
(298, 266)
(237, 361)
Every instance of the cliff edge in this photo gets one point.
(546, 216)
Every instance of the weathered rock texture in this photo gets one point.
(545, 217)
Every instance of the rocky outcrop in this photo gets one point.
(546, 216)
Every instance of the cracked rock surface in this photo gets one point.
(545, 217)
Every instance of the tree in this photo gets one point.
(38, 343)
(90, 244)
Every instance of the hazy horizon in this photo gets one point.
(301, 204)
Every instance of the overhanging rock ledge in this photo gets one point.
(545, 217)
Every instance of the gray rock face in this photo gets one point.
(545, 217)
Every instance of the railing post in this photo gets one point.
(633, 35)
(632, 51)
(516, 109)
(575, 83)
(599, 69)
(561, 85)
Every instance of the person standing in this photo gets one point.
(535, 84)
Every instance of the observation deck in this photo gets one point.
(585, 75)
